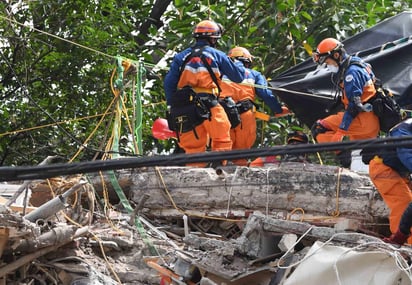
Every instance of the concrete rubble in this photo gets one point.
(178, 225)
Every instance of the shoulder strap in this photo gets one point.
(345, 65)
(350, 62)
(198, 52)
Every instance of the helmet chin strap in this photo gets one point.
(337, 60)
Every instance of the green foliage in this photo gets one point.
(56, 78)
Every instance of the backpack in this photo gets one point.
(384, 105)
(385, 108)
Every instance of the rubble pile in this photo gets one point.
(179, 225)
(65, 243)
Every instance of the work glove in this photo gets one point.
(285, 111)
(368, 153)
(398, 238)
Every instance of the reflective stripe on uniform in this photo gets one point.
(213, 91)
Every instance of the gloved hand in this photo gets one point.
(338, 136)
(285, 111)
(396, 238)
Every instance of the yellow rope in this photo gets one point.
(68, 121)
(56, 37)
(107, 205)
(293, 211)
(65, 40)
(150, 64)
(317, 153)
(94, 236)
(94, 130)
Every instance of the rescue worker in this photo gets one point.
(389, 170)
(192, 91)
(243, 136)
(356, 80)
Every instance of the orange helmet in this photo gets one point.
(325, 49)
(241, 54)
(207, 29)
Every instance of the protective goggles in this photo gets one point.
(319, 58)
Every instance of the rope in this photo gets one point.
(95, 129)
(129, 209)
(183, 212)
(280, 89)
(145, 63)
(318, 154)
(379, 243)
(401, 263)
(150, 64)
(117, 87)
(94, 236)
(69, 121)
(336, 213)
(280, 260)
(267, 190)
(54, 36)
(297, 209)
(230, 191)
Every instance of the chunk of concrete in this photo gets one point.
(287, 242)
(347, 225)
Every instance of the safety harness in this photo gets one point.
(383, 104)
(188, 108)
(230, 107)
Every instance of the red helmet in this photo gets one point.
(325, 49)
(161, 131)
(241, 54)
(207, 29)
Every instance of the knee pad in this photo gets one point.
(317, 128)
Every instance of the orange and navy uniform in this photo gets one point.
(244, 135)
(358, 81)
(196, 75)
(389, 171)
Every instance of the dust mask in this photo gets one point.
(333, 68)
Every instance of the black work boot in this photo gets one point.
(345, 158)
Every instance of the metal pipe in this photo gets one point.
(53, 206)
(220, 173)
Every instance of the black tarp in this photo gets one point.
(308, 91)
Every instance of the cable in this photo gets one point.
(47, 171)
(182, 211)
(401, 263)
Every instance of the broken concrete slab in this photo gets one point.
(315, 190)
